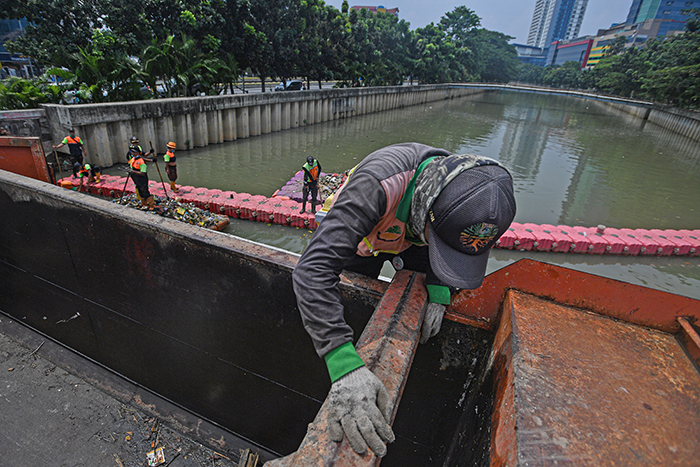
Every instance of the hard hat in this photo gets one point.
(310, 159)
(171, 145)
(87, 167)
(134, 140)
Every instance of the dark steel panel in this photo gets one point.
(607, 297)
(592, 391)
(203, 319)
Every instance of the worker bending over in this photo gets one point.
(434, 212)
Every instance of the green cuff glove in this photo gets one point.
(342, 360)
(438, 294)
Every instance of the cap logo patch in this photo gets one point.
(477, 236)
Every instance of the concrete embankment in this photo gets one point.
(200, 121)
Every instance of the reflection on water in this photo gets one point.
(574, 162)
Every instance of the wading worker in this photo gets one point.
(312, 170)
(171, 165)
(440, 214)
(75, 149)
(140, 178)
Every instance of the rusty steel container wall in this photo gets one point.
(578, 388)
(24, 156)
(387, 346)
(608, 297)
(204, 319)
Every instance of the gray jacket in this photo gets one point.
(357, 210)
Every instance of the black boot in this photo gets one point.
(313, 206)
(303, 207)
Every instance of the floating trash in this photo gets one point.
(183, 212)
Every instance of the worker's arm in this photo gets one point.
(357, 210)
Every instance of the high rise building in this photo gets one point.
(555, 20)
(669, 11)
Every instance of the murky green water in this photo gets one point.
(574, 163)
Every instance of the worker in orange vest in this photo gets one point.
(75, 148)
(171, 165)
(140, 177)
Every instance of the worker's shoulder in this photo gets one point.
(398, 158)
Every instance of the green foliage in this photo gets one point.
(664, 70)
(18, 93)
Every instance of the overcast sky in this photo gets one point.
(511, 17)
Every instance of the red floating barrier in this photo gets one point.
(525, 240)
(632, 247)
(692, 237)
(304, 221)
(600, 244)
(266, 209)
(249, 206)
(232, 205)
(649, 246)
(282, 211)
(665, 248)
(109, 186)
(216, 202)
(545, 241)
(507, 240)
(681, 246)
(562, 242)
(579, 238)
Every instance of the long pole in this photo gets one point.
(155, 159)
(58, 162)
(128, 174)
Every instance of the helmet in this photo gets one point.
(134, 140)
(171, 145)
(310, 159)
(87, 167)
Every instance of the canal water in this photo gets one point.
(574, 162)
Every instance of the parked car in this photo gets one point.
(293, 85)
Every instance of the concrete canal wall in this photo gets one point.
(683, 122)
(200, 121)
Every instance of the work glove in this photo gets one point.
(359, 407)
(432, 321)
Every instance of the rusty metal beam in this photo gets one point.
(607, 297)
(387, 345)
(690, 339)
(574, 387)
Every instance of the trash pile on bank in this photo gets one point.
(183, 212)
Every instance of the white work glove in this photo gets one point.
(432, 321)
(359, 407)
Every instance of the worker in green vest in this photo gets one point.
(312, 170)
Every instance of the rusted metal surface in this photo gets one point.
(387, 346)
(24, 156)
(690, 339)
(578, 388)
(608, 297)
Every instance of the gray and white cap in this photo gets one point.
(467, 202)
